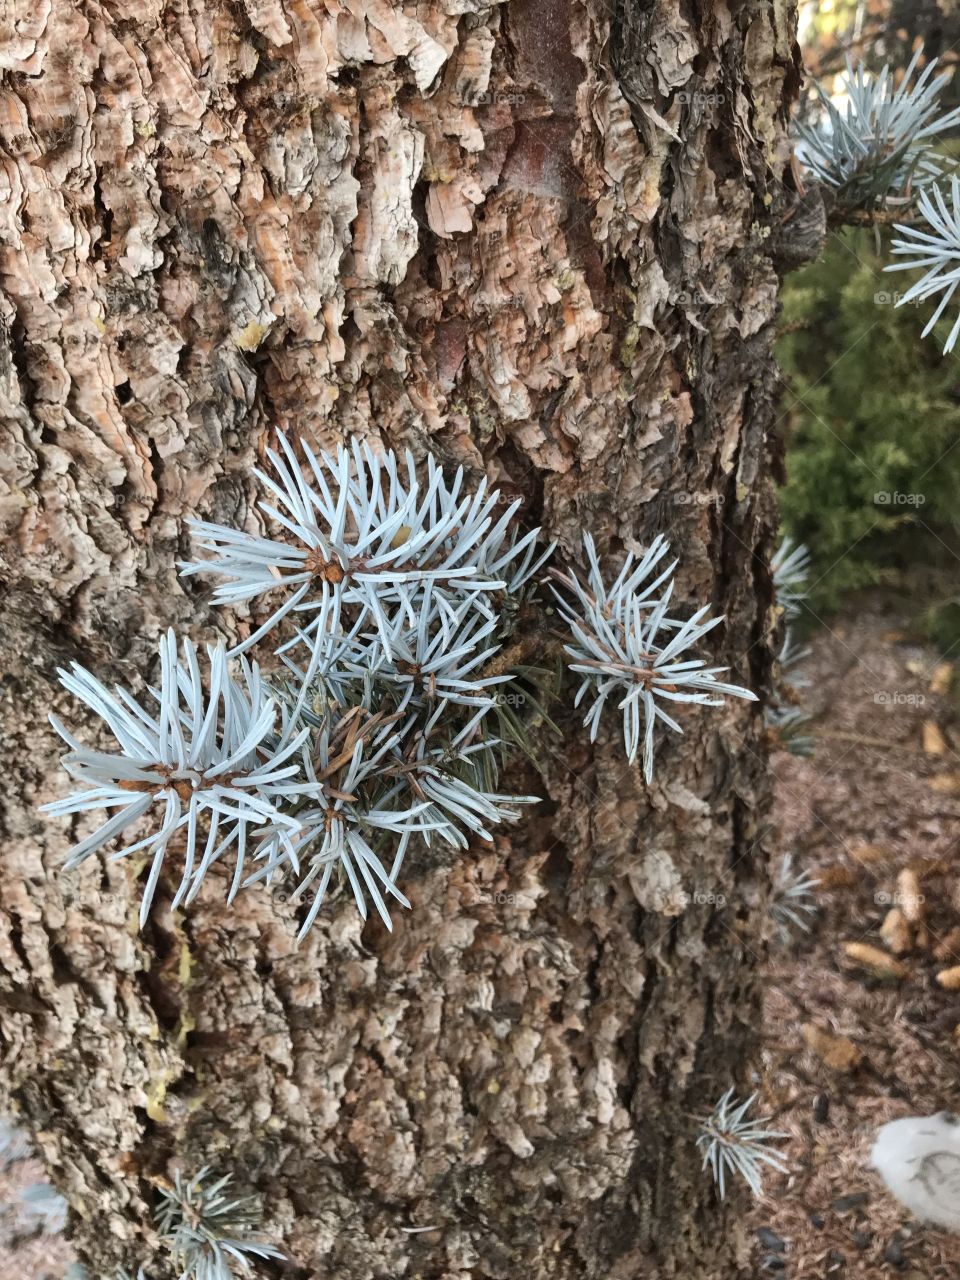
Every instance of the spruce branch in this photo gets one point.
(43, 1209)
(793, 903)
(790, 565)
(790, 656)
(443, 655)
(734, 1145)
(627, 646)
(333, 833)
(202, 766)
(360, 533)
(786, 722)
(933, 247)
(209, 1232)
(878, 151)
(380, 724)
(787, 729)
(14, 1145)
(403, 680)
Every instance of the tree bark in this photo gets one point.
(540, 239)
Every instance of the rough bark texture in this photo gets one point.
(541, 239)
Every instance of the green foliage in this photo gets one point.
(941, 623)
(873, 431)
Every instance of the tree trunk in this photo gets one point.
(540, 239)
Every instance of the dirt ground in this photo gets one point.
(855, 1034)
(851, 1040)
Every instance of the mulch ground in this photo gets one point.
(859, 1025)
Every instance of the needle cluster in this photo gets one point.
(786, 722)
(734, 1145)
(383, 715)
(208, 1231)
(933, 247)
(628, 647)
(877, 151)
(374, 724)
(793, 904)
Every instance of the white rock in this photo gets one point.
(919, 1160)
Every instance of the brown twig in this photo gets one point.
(542, 643)
(848, 217)
(838, 735)
(794, 326)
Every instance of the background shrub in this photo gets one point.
(873, 434)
